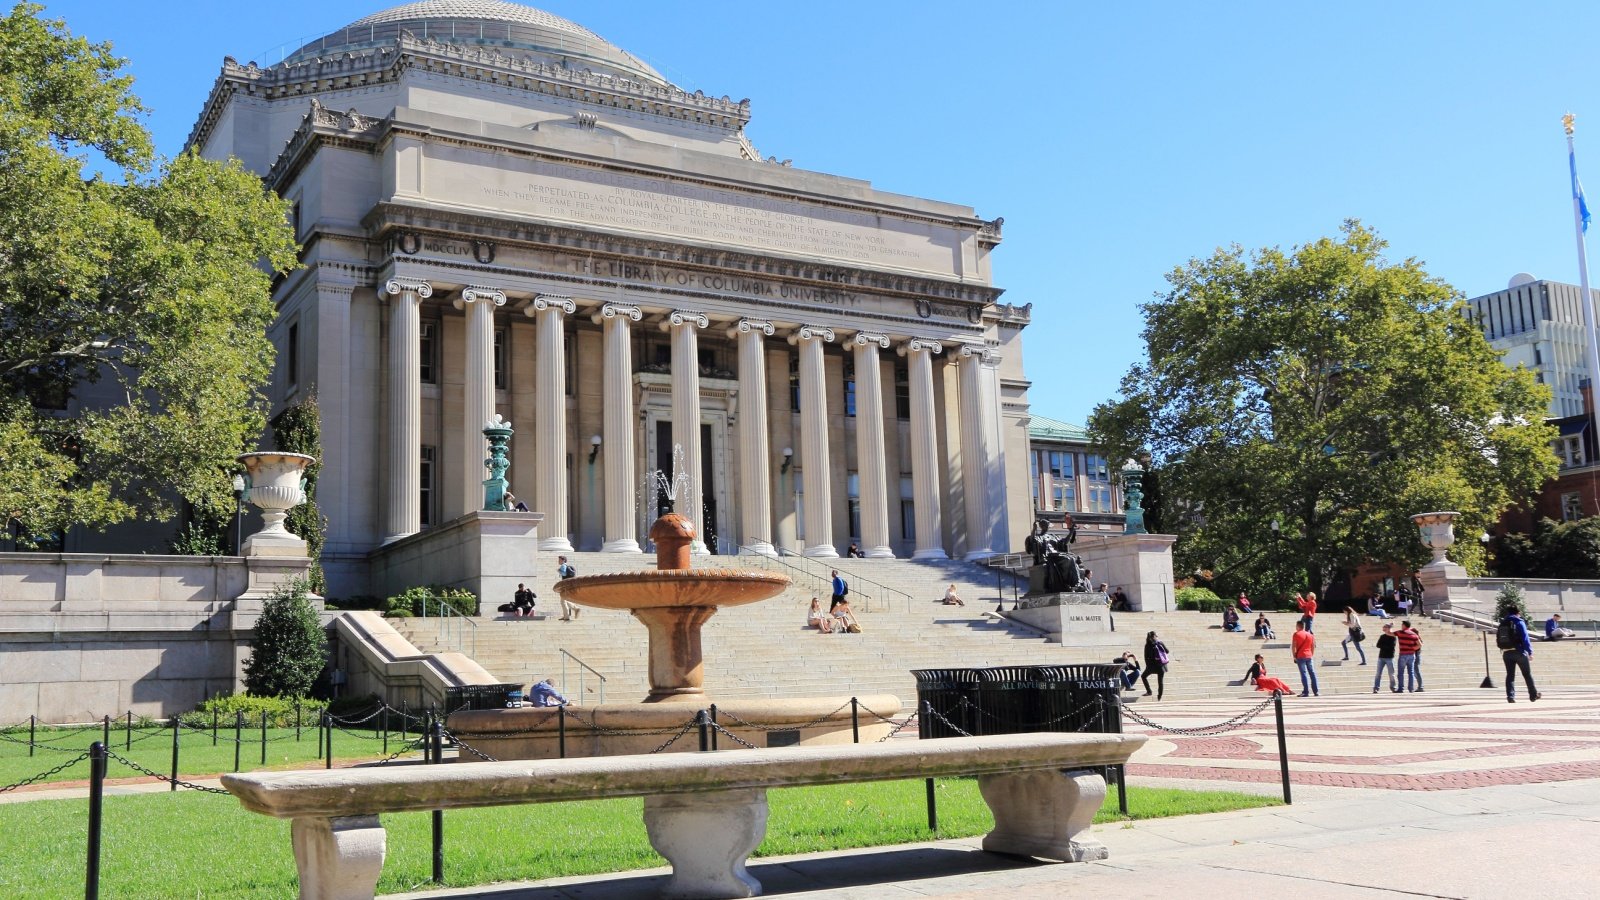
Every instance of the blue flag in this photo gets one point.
(1577, 190)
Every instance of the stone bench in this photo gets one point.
(704, 812)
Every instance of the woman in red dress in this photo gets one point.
(1258, 676)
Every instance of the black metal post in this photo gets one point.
(438, 814)
(384, 715)
(705, 738)
(173, 784)
(97, 783)
(405, 719)
(855, 721)
(1283, 744)
(297, 725)
(327, 721)
(1487, 681)
(213, 728)
(238, 737)
(263, 737)
(933, 808)
(1000, 592)
(105, 731)
(713, 731)
(33, 723)
(561, 731)
(128, 738)
(1122, 788)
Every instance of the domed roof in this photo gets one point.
(486, 23)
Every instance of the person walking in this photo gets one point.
(564, 570)
(840, 589)
(1386, 643)
(1517, 650)
(1155, 663)
(1352, 625)
(1410, 644)
(1304, 646)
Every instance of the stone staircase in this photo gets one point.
(765, 650)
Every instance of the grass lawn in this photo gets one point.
(152, 748)
(202, 845)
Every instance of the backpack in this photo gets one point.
(566, 571)
(1505, 637)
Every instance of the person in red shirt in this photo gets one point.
(1308, 611)
(1304, 646)
(1410, 648)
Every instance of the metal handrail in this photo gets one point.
(583, 667)
(884, 593)
(451, 624)
(1470, 620)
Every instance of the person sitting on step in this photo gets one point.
(951, 598)
(816, 619)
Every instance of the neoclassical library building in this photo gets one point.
(504, 214)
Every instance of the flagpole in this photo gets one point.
(1592, 354)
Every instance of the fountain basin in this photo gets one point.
(672, 587)
(617, 728)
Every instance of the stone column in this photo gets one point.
(976, 453)
(818, 471)
(924, 449)
(402, 512)
(995, 452)
(755, 500)
(686, 417)
(622, 514)
(477, 406)
(871, 467)
(550, 479)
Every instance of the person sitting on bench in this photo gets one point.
(543, 693)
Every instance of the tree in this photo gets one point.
(1553, 550)
(1301, 406)
(152, 276)
(1510, 600)
(290, 647)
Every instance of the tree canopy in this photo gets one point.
(151, 278)
(1333, 393)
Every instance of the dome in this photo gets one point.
(486, 23)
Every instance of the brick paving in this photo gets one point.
(1439, 741)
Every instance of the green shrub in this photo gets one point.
(290, 646)
(279, 710)
(1508, 600)
(419, 601)
(1201, 599)
(197, 539)
(359, 601)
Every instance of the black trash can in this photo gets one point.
(1010, 700)
(1074, 689)
(478, 696)
(946, 702)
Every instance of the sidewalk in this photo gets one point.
(1496, 843)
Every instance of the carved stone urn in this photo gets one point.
(277, 485)
(1438, 532)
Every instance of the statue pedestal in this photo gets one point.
(1443, 582)
(1076, 620)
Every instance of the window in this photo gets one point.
(502, 363)
(794, 381)
(849, 389)
(1097, 496)
(1569, 450)
(292, 366)
(1033, 477)
(427, 486)
(902, 390)
(1571, 506)
(428, 345)
(853, 489)
(908, 509)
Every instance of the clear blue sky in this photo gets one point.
(1117, 139)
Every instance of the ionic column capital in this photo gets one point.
(680, 317)
(613, 310)
(477, 294)
(745, 326)
(981, 355)
(811, 333)
(416, 287)
(542, 302)
(867, 338)
(919, 344)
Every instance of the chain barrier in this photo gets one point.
(83, 755)
(415, 744)
(898, 728)
(337, 720)
(736, 739)
(811, 724)
(949, 724)
(687, 727)
(1232, 724)
(882, 718)
(596, 728)
(112, 754)
(463, 745)
(40, 744)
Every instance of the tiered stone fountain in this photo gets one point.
(674, 602)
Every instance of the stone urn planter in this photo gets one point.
(277, 485)
(1438, 531)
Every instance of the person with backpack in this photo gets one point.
(564, 570)
(1386, 645)
(1352, 624)
(1517, 650)
(1156, 658)
(840, 589)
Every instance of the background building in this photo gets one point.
(1539, 324)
